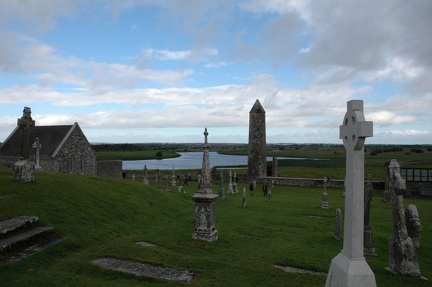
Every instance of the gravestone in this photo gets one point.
(145, 179)
(413, 224)
(338, 224)
(402, 252)
(235, 179)
(349, 267)
(244, 201)
(230, 184)
(324, 199)
(37, 146)
(133, 176)
(367, 233)
(204, 199)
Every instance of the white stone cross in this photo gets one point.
(350, 268)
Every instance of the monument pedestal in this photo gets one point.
(347, 271)
(23, 171)
(205, 228)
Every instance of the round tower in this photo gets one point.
(257, 164)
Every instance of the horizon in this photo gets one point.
(146, 71)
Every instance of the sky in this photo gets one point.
(137, 71)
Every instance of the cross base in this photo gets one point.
(348, 271)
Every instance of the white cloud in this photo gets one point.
(389, 118)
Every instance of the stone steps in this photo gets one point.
(16, 225)
(21, 233)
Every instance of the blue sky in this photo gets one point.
(161, 71)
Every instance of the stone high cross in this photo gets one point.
(25, 123)
(349, 267)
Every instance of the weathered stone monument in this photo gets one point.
(24, 169)
(230, 184)
(349, 267)
(402, 252)
(324, 199)
(257, 162)
(244, 201)
(413, 224)
(367, 233)
(37, 146)
(234, 184)
(204, 199)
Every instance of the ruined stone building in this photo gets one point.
(64, 148)
(257, 164)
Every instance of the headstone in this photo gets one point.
(180, 188)
(270, 195)
(23, 171)
(221, 188)
(204, 199)
(338, 224)
(235, 179)
(324, 199)
(413, 224)
(367, 233)
(402, 253)
(230, 185)
(244, 201)
(37, 147)
(145, 179)
(133, 176)
(349, 267)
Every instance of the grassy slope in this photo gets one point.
(104, 217)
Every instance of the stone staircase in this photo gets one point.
(20, 236)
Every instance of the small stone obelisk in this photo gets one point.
(204, 198)
(349, 267)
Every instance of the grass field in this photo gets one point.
(105, 217)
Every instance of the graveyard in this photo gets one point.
(105, 217)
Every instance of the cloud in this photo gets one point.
(36, 15)
(390, 118)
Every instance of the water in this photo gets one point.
(189, 160)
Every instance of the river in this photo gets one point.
(190, 160)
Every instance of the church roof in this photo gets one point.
(50, 137)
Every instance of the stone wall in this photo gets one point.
(109, 168)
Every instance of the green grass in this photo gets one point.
(333, 164)
(105, 217)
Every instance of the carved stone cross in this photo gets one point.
(355, 129)
(350, 268)
(25, 123)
